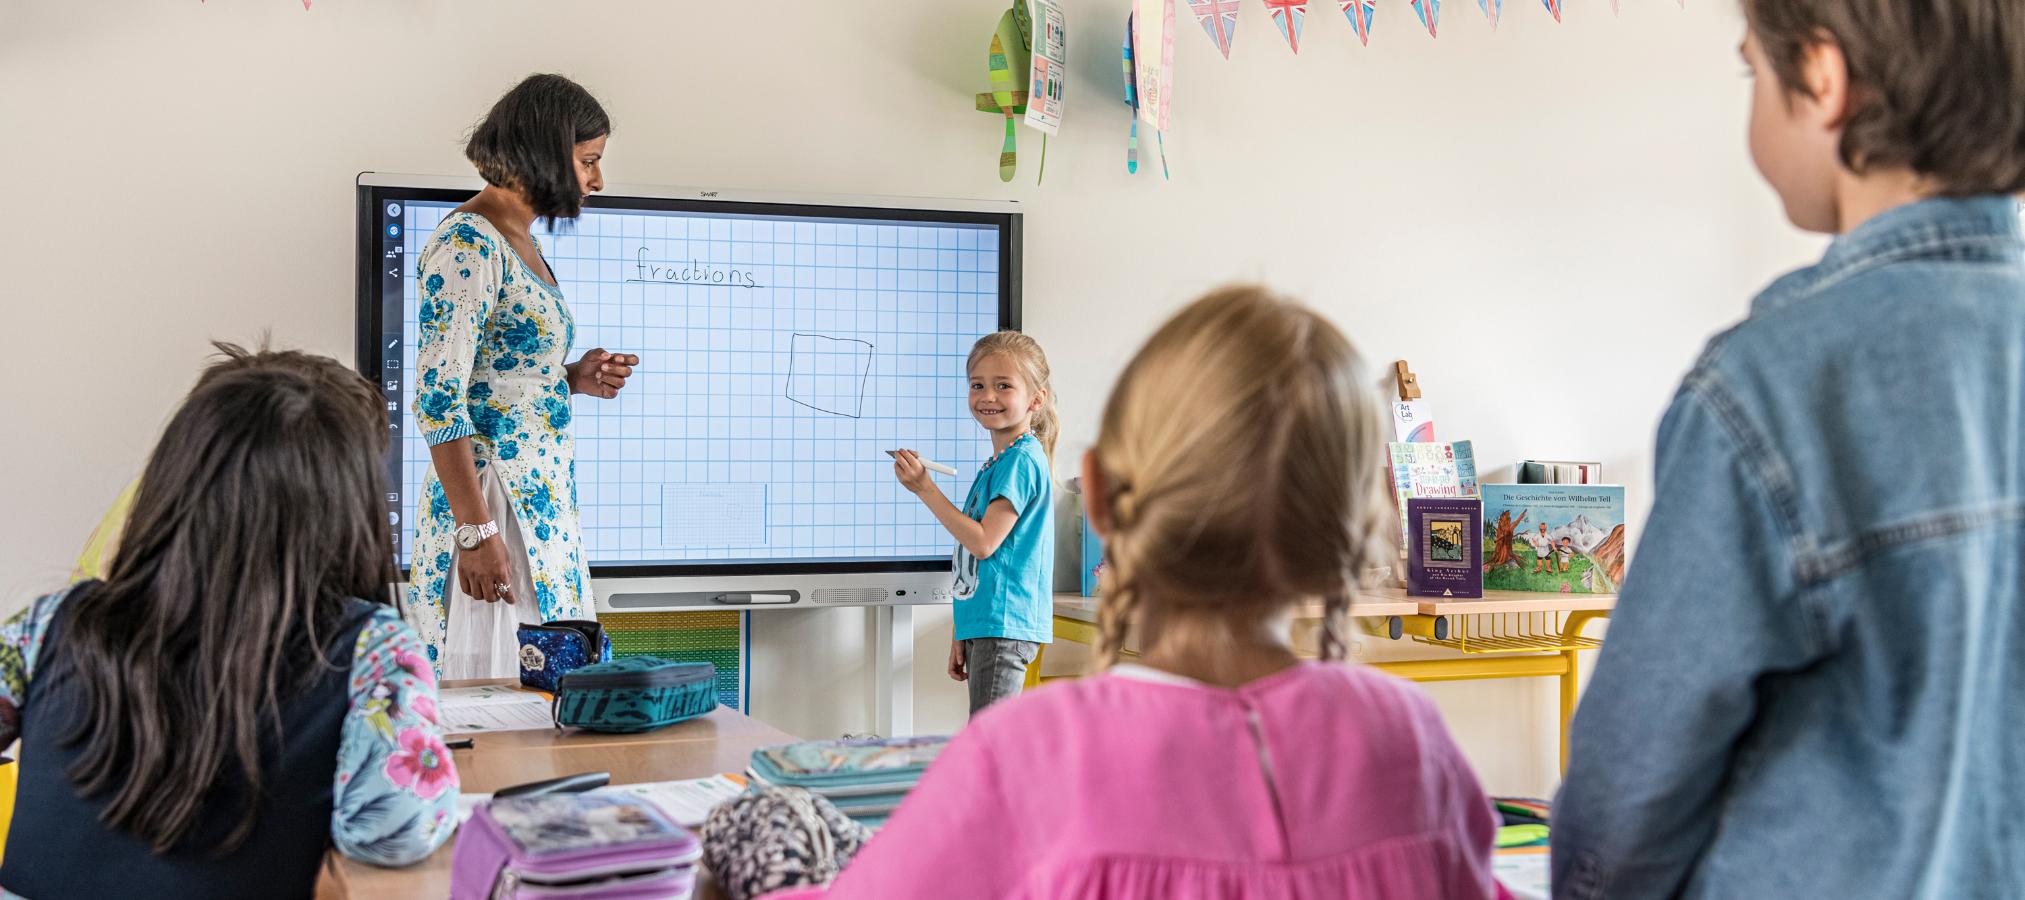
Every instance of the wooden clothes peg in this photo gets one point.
(1409, 383)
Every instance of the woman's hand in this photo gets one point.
(484, 573)
(959, 667)
(601, 373)
(912, 474)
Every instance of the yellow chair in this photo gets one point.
(8, 772)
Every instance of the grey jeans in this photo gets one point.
(997, 668)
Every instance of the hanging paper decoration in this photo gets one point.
(1050, 45)
(1429, 12)
(1492, 8)
(1153, 60)
(1360, 13)
(1151, 25)
(1289, 15)
(1554, 6)
(1218, 19)
(1007, 68)
(1131, 102)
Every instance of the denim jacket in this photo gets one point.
(1814, 682)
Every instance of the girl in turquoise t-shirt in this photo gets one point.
(1005, 531)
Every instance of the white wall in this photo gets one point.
(1547, 220)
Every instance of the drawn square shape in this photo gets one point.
(828, 374)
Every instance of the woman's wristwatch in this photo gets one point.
(470, 536)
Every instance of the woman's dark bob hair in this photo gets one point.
(527, 143)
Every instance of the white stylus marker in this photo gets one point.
(928, 464)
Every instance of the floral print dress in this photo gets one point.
(490, 367)
(395, 787)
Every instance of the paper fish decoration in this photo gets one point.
(1007, 67)
(1218, 19)
(1360, 13)
(1289, 16)
(1492, 8)
(1554, 6)
(1429, 12)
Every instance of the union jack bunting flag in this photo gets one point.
(1554, 6)
(1429, 12)
(1492, 8)
(1360, 13)
(1289, 15)
(1219, 21)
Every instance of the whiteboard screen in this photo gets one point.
(783, 350)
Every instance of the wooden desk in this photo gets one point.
(1507, 634)
(722, 741)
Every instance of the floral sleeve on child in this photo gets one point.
(20, 638)
(396, 792)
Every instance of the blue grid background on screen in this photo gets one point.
(756, 427)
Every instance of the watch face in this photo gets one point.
(467, 536)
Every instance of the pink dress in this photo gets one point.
(1321, 781)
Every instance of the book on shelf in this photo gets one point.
(1542, 471)
(1444, 551)
(1564, 538)
(1438, 469)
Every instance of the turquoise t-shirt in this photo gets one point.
(1011, 594)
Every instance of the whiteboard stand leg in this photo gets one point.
(893, 671)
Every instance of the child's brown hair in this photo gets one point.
(1240, 462)
(1025, 352)
(1936, 86)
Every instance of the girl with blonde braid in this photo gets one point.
(1237, 476)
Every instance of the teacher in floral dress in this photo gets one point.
(497, 540)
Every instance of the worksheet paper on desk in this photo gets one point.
(688, 803)
(1524, 874)
(492, 707)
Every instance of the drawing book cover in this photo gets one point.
(1430, 470)
(1444, 552)
(1561, 538)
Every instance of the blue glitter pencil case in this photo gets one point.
(638, 693)
(553, 649)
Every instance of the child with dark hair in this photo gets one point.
(236, 695)
(1812, 679)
